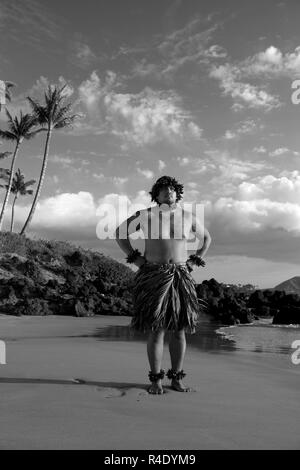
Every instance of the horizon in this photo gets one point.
(198, 91)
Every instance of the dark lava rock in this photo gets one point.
(76, 259)
(288, 315)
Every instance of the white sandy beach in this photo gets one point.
(241, 400)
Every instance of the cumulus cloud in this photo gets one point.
(79, 213)
(37, 91)
(273, 63)
(244, 94)
(147, 173)
(249, 126)
(161, 165)
(269, 202)
(260, 149)
(282, 151)
(141, 118)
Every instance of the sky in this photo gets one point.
(197, 90)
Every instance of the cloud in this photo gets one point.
(28, 25)
(260, 149)
(119, 181)
(65, 161)
(136, 118)
(268, 203)
(279, 151)
(249, 126)
(273, 63)
(78, 213)
(82, 55)
(243, 94)
(282, 151)
(161, 165)
(183, 161)
(147, 173)
(187, 45)
(37, 91)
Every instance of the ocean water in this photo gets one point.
(258, 337)
(262, 337)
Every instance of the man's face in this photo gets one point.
(167, 195)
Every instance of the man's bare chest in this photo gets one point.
(167, 224)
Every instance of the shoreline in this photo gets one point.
(64, 389)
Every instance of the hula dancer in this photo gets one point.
(164, 292)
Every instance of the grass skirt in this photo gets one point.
(164, 296)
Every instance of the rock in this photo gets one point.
(75, 259)
(100, 285)
(84, 309)
(245, 316)
(46, 276)
(287, 316)
(4, 274)
(34, 307)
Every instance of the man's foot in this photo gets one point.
(176, 377)
(156, 388)
(179, 386)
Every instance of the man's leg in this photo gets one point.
(177, 347)
(155, 348)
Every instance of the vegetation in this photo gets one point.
(43, 277)
(53, 114)
(18, 130)
(8, 96)
(18, 188)
(235, 304)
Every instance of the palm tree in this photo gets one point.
(18, 187)
(54, 114)
(4, 171)
(8, 85)
(18, 130)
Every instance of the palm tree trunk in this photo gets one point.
(41, 180)
(9, 183)
(12, 213)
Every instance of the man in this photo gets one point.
(164, 292)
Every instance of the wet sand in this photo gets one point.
(62, 388)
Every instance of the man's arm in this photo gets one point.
(202, 234)
(123, 238)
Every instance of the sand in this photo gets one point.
(61, 389)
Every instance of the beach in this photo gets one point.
(63, 387)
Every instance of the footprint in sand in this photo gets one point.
(115, 392)
(110, 392)
(105, 392)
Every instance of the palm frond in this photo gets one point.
(38, 110)
(10, 120)
(29, 183)
(65, 122)
(31, 135)
(10, 84)
(62, 111)
(8, 135)
(5, 154)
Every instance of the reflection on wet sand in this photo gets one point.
(205, 338)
